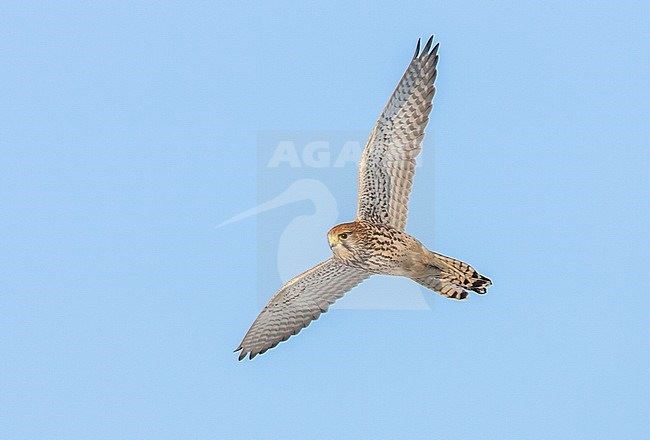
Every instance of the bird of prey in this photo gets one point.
(375, 243)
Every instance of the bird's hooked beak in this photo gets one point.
(338, 234)
(332, 240)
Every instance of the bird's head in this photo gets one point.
(343, 238)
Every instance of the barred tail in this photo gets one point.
(444, 288)
(451, 277)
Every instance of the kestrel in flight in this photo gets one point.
(375, 243)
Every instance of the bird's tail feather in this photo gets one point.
(450, 277)
(444, 288)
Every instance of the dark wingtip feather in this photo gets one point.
(428, 45)
(417, 49)
(434, 52)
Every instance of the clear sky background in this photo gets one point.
(128, 131)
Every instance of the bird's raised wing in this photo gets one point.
(388, 162)
(299, 302)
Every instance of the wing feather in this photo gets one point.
(299, 302)
(388, 163)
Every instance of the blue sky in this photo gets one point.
(130, 130)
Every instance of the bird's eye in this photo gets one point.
(343, 236)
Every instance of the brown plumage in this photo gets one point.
(382, 249)
(375, 243)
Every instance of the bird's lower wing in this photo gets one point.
(299, 302)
